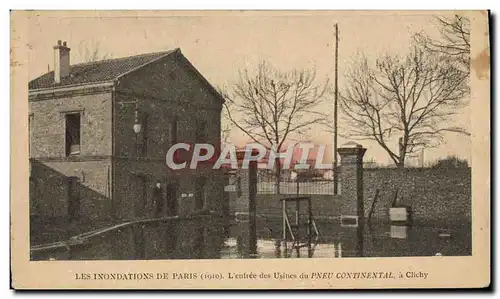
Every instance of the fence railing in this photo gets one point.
(315, 186)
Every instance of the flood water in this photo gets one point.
(203, 239)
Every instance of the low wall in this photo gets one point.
(442, 195)
(270, 204)
(435, 195)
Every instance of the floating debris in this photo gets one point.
(444, 235)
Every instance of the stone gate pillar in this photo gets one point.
(351, 178)
(248, 179)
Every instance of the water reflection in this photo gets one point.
(199, 242)
(139, 242)
(399, 232)
(170, 242)
(199, 239)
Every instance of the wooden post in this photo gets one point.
(252, 208)
(335, 162)
(360, 236)
(297, 213)
(372, 207)
(309, 226)
(283, 206)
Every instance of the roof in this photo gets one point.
(99, 71)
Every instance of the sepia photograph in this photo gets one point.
(251, 136)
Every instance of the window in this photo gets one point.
(172, 138)
(141, 138)
(72, 134)
(140, 195)
(172, 193)
(172, 133)
(200, 193)
(201, 136)
(200, 131)
(144, 142)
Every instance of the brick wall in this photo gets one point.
(48, 123)
(49, 192)
(166, 90)
(434, 194)
(270, 205)
(128, 192)
(50, 168)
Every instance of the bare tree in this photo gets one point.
(453, 42)
(225, 126)
(272, 106)
(93, 52)
(410, 99)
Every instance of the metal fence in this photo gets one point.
(315, 186)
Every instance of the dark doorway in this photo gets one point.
(73, 198)
(200, 242)
(140, 202)
(200, 193)
(139, 242)
(158, 199)
(171, 239)
(172, 191)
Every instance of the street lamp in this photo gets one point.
(137, 127)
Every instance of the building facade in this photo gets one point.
(99, 133)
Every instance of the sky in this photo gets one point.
(219, 44)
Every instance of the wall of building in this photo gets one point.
(49, 189)
(128, 194)
(166, 90)
(48, 123)
(50, 168)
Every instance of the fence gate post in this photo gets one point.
(252, 206)
(351, 173)
(251, 176)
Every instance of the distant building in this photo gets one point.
(370, 164)
(87, 161)
(328, 175)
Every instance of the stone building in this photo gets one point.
(99, 132)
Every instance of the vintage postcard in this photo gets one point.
(250, 149)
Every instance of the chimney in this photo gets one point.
(61, 61)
